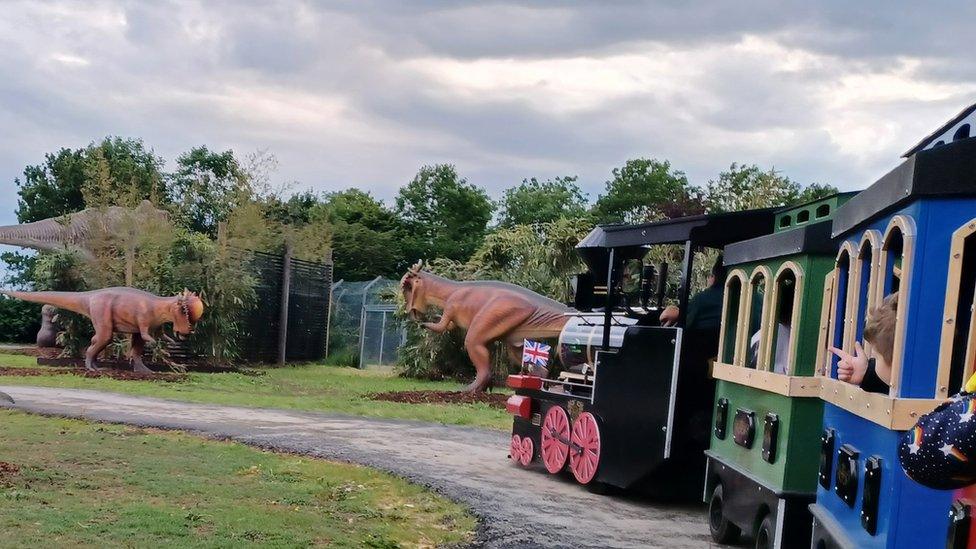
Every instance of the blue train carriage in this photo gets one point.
(762, 463)
(911, 234)
(632, 408)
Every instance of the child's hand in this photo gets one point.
(851, 368)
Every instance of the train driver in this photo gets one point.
(705, 307)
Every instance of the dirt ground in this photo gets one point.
(517, 507)
(124, 375)
(495, 400)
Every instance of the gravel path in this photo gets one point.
(517, 507)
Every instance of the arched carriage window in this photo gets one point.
(958, 349)
(731, 319)
(838, 334)
(757, 302)
(783, 319)
(864, 280)
(895, 262)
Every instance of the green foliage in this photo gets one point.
(19, 320)
(121, 172)
(646, 190)
(361, 253)
(205, 187)
(52, 188)
(442, 215)
(744, 187)
(62, 271)
(537, 201)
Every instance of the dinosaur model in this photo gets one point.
(489, 311)
(79, 231)
(125, 310)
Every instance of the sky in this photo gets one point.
(363, 93)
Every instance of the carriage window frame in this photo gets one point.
(953, 289)
(768, 333)
(745, 339)
(823, 363)
(906, 226)
(736, 359)
(871, 239)
(846, 250)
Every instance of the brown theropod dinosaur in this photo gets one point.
(125, 310)
(488, 310)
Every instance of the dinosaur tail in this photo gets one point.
(71, 301)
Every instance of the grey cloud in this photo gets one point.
(165, 77)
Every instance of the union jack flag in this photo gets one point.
(534, 352)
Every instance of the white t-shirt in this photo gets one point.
(782, 348)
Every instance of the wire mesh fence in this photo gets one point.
(363, 329)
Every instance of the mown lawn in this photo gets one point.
(307, 387)
(68, 483)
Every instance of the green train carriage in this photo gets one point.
(763, 460)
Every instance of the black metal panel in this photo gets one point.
(872, 491)
(308, 309)
(960, 523)
(744, 427)
(826, 457)
(949, 170)
(721, 418)
(808, 239)
(632, 393)
(845, 480)
(770, 436)
(259, 341)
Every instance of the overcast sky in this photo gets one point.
(362, 93)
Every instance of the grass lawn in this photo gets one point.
(307, 387)
(85, 484)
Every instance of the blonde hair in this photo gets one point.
(879, 329)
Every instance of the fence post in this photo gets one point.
(362, 320)
(328, 320)
(283, 317)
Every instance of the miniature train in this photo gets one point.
(781, 449)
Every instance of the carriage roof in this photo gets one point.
(944, 170)
(802, 238)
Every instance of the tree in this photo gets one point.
(815, 191)
(744, 187)
(205, 186)
(646, 190)
(122, 172)
(52, 188)
(542, 202)
(441, 215)
(356, 206)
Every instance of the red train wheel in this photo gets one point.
(585, 456)
(555, 433)
(528, 452)
(515, 449)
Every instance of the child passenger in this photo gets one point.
(872, 374)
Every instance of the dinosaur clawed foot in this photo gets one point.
(480, 384)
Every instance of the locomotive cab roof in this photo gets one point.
(711, 230)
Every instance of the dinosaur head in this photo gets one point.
(414, 293)
(187, 310)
